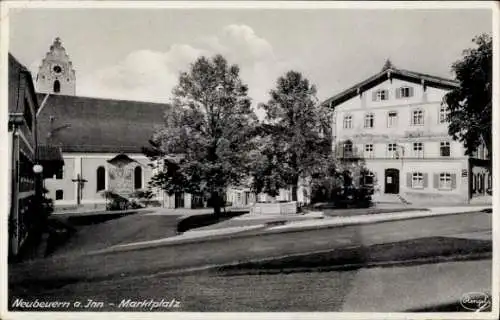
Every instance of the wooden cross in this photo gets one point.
(80, 182)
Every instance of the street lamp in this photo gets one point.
(37, 168)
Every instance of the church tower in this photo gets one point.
(56, 74)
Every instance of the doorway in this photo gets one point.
(179, 200)
(392, 181)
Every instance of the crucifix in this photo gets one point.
(80, 182)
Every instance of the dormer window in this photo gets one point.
(381, 95)
(404, 92)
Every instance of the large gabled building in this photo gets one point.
(395, 122)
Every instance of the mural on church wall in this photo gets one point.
(121, 177)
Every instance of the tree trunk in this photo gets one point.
(216, 203)
(295, 188)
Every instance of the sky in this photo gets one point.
(137, 54)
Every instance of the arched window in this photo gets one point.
(138, 177)
(101, 178)
(57, 86)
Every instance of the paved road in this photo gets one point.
(75, 267)
(138, 275)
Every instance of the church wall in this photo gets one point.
(65, 184)
(86, 165)
(89, 172)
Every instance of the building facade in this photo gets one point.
(395, 122)
(101, 140)
(23, 106)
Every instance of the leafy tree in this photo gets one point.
(340, 171)
(206, 140)
(469, 105)
(267, 168)
(299, 130)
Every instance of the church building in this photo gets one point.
(101, 139)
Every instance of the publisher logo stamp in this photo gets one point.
(475, 301)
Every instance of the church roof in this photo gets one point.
(94, 125)
(390, 71)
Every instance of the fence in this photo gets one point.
(282, 208)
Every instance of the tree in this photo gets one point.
(268, 172)
(299, 130)
(206, 139)
(469, 105)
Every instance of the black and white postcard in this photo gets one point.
(249, 159)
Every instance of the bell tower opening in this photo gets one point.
(57, 86)
(55, 69)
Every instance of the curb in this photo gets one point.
(264, 229)
(173, 241)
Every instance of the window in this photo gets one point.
(417, 118)
(392, 119)
(417, 180)
(443, 113)
(138, 177)
(59, 173)
(445, 181)
(59, 194)
(391, 150)
(347, 122)
(369, 120)
(368, 177)
(348, 149)
(101, 178)
(445, 149)
(57, 86)
(418, 149)
(380, 95)
(404, 92)
(369, 150)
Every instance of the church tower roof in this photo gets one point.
(56, 74)
(57, 44)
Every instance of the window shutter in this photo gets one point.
(374, 95)
(398, 93)
(425, 180)
(408, 179)
(436, 181)
(453, 181)
(411, 91)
